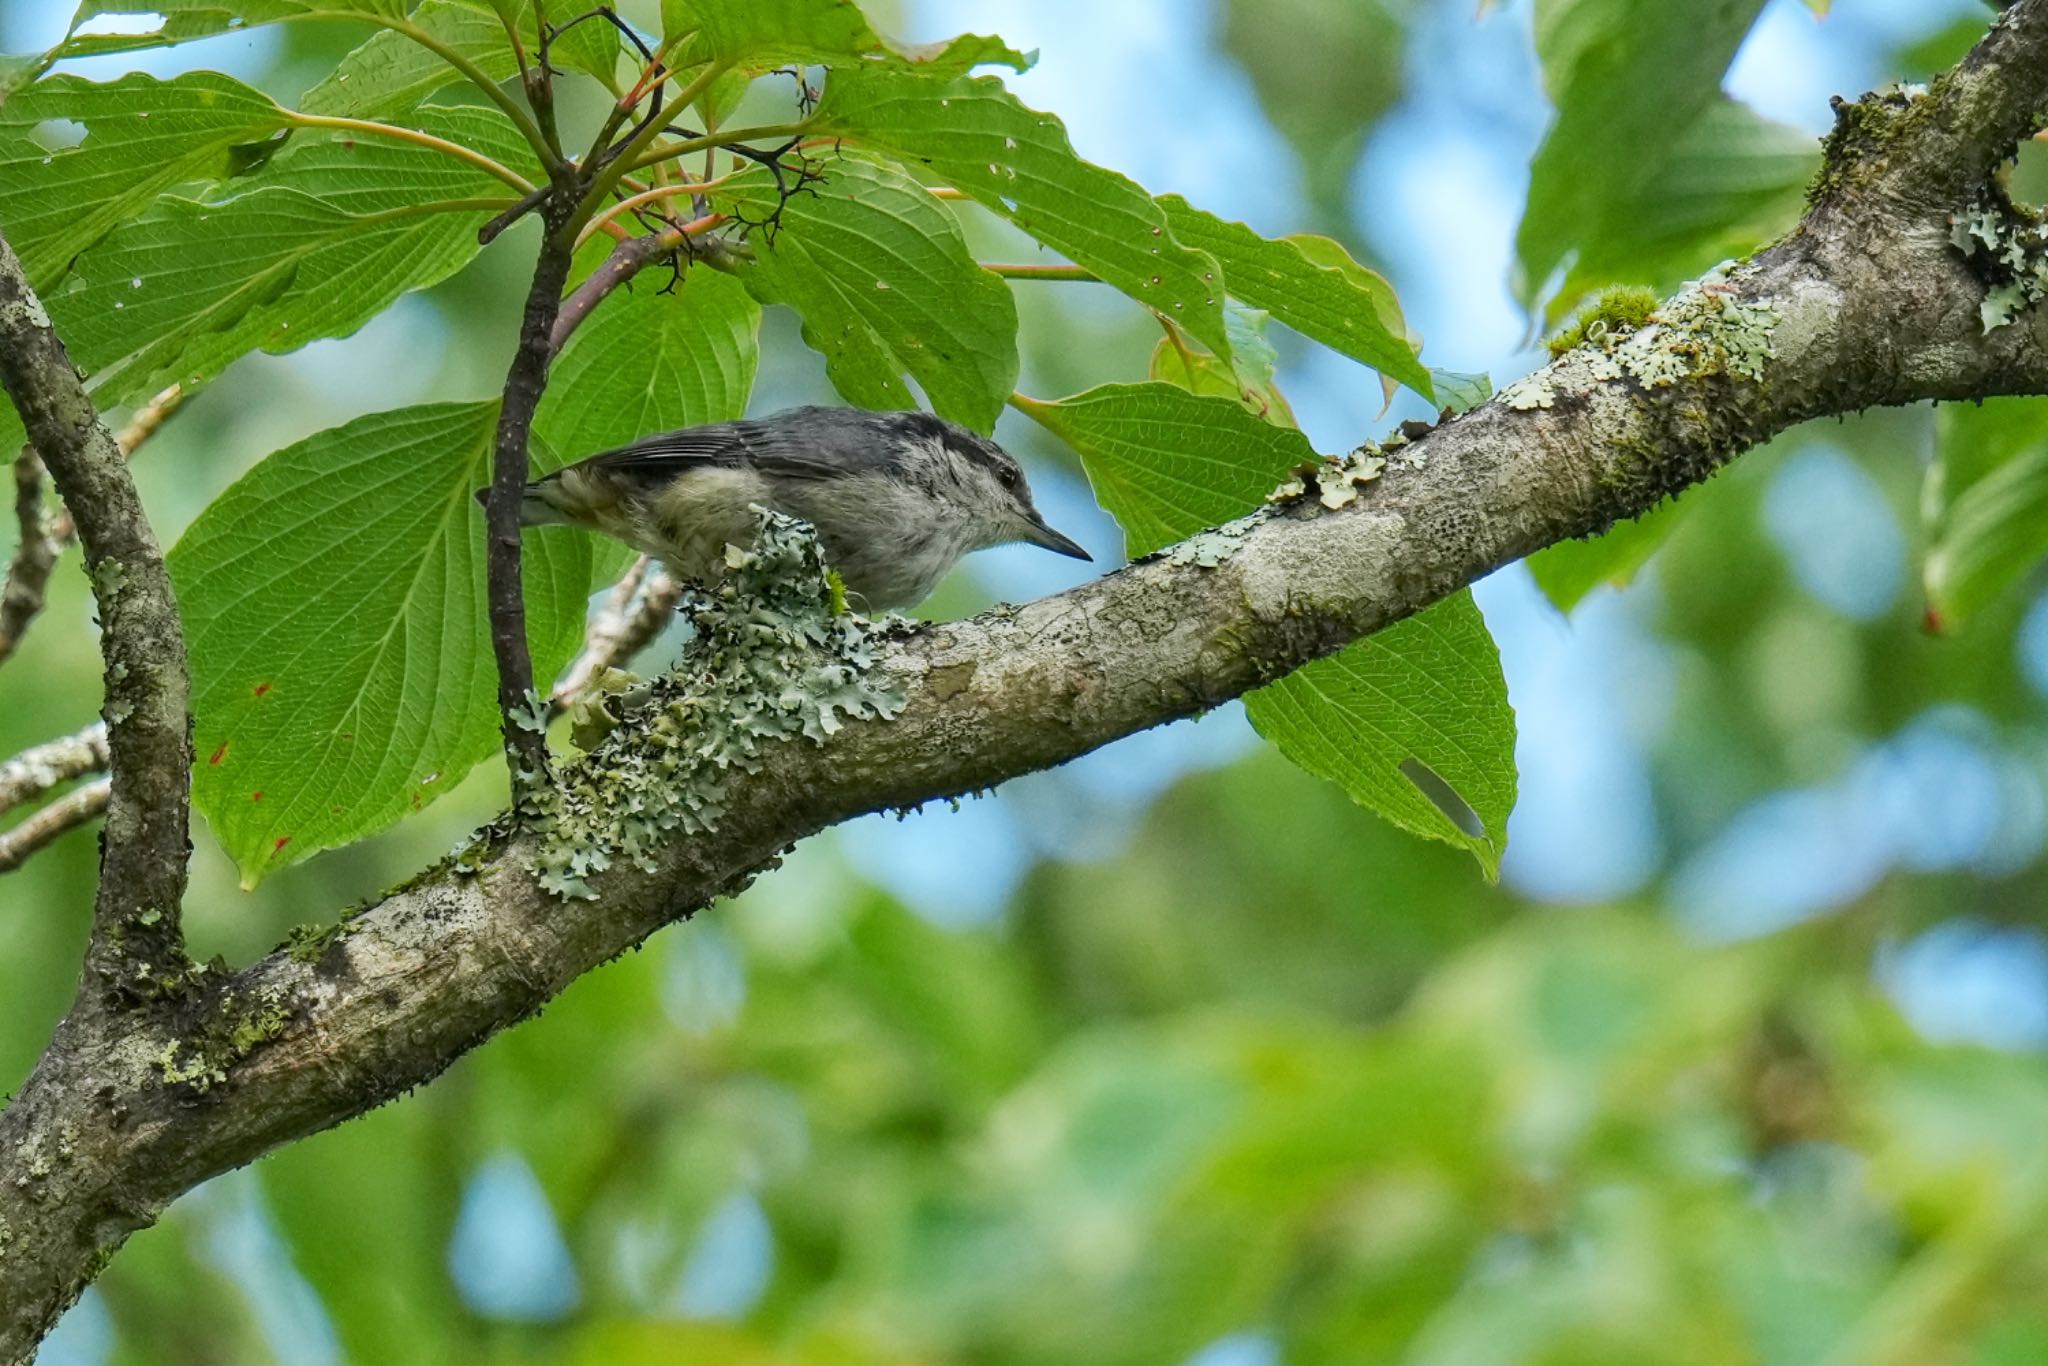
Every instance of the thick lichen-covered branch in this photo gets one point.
(1868, 302)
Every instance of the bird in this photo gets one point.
(896, 498)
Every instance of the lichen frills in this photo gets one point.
(775, 657)
(2010, 251)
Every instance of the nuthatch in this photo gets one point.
(897, 498)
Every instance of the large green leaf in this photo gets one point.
(762, 34)
(1413, 722)
(1250, 380)
(183, 20)
(1018, 162)
(1986, 504)
(341, 661)
(392, 72)
(1310, 284)
(882, 277)
(1166, 462)
(649, 361)
(1626, 76)
(142, 137)
(333, 233)
(1732, 181)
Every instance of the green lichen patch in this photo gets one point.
(2008, 247)
(1207, 549)
(234, 1027)
(775, 658)
(1616, 313)
(1707, 329)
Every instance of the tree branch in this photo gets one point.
(31, 773)
(136, 946)
(1867, 302)
(41, 829)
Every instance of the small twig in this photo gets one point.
(1048, 272)
(33, 772)
(628, 259)
(35, 555)
(634, 613)
(72, 810)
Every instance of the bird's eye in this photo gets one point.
(1010, 476)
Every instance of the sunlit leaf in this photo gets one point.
(1310, 284)
(762, 34)
(181, 21)
(881, 276)
(341, 661)
(1018, 162)
(142, 137)
(330, 234)
(1167, 463)
(1413, 722)
(392, 72)
(1248, 378)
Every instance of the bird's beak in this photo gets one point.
(1038, 533)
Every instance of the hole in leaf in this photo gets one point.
(1443, 797)
(57, 135)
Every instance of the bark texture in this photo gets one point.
(1867, 302)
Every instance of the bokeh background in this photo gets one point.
(1173, 1055)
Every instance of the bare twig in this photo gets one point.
(136, 940)
(43, 539)
(34, 556)
(41, 829)
(634, 612)
(628, 259)
(31, 773)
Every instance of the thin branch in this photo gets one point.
(41, 829)
(1048, 272)
(628, 259)
(634, 203)
(33, 772)
(370, 128)
(734, 141)
(634, 613)
(136, 941)
(35, 554)
(526, 746)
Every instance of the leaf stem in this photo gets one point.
(710, 140)
(1032, 272)
(605, 177)
(371, 128)
(606, 219)
(549, 156)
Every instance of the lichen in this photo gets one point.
(235, 1028)
(771, 662)
(2009, 249)
(1616, 313)
(1207, 549)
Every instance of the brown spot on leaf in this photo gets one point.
(282, 841)
(262, 688)
(220, 753)
(257, 795)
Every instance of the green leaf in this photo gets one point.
(759, 35)
(1569, 570)
(1018, 162)
(341, 662)
(1249, 380)
(880, 273)
(184, 20)
(142, 136)
(391, 72)
(17, 72)
(1625, 75)
(1459, 391)
(1986, 504)
(331, 233)
(1310, 284)
(1413, 722)
(1732, 181)
(1167, 463)
(646, 362)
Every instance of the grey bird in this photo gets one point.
(897, 498)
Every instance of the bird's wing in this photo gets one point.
(726, 445)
